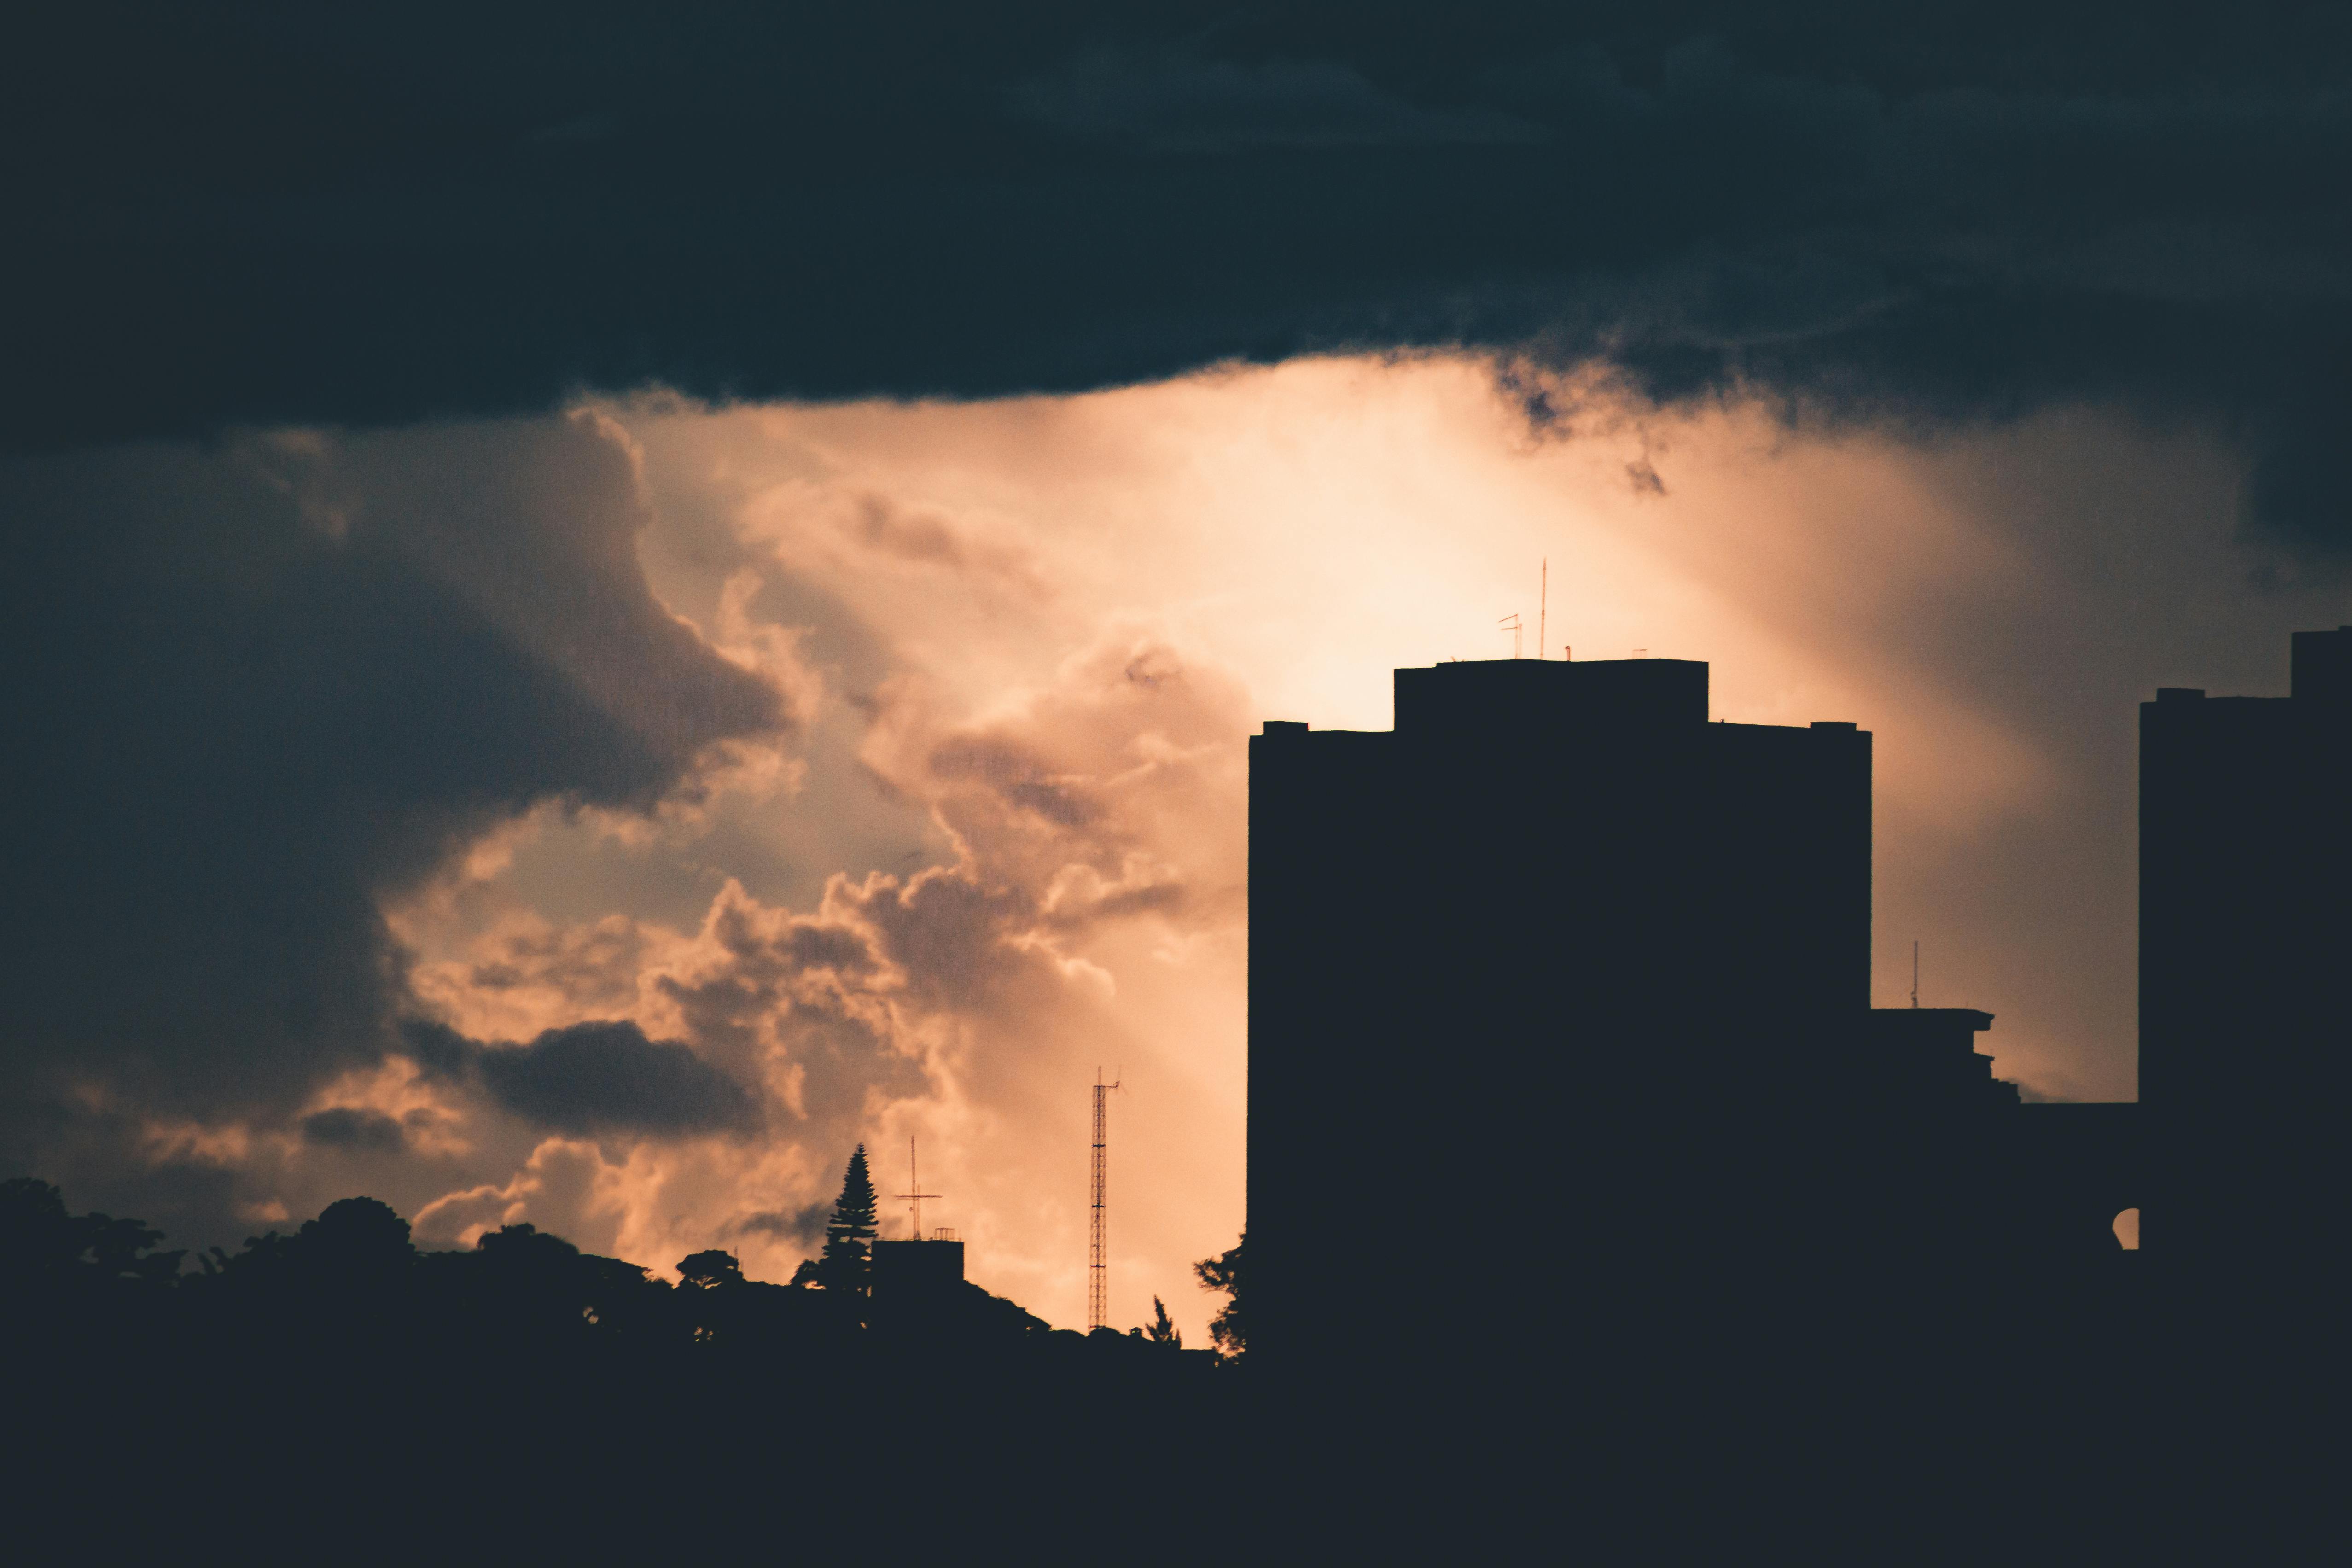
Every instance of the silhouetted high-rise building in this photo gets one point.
(1559, 1021)
(2245, 948)
(1536, 980)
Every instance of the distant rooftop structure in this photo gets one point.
(916, 1269)
(1471, 694)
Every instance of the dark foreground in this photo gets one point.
(2081, 1429)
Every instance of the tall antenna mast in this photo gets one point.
(1915, 973)
(914, 1194)
(1098, 1245)
(1543, 607)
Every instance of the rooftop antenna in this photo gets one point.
(1543, 606)
(915, 1195)
(1099, 1243)
(1915, 975)
(1512, 624)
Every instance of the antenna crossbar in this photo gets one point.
(914, 1196)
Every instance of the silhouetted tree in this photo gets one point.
(847, 1265)
(532, 1287)
(709, 1270)
(346, 1278)
(1229, 1330)
(358, 1240)
(265, 1259)
(1163, 1331)
(708, 1285)
(44, 1248)
(717, 1305)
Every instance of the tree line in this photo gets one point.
(354, 1274)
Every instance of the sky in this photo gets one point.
(601, 609)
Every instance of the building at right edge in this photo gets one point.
(2245, 957)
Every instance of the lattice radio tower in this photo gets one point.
(1099, 1243)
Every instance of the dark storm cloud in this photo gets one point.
(254, 691)
(592, 1078)
(364, 214)
(351, 1127)
(1172, 101)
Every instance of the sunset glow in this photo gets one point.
(999, 840)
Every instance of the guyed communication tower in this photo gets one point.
(1098, 1243)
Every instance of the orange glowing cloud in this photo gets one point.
(1023, 643)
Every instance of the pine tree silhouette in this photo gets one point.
(848, 1261)
(1163, 1330)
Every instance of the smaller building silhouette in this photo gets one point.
(915, 1272)
(920, 1297)
(2245, 905)
(1928, 1057)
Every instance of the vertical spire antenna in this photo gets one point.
(1915, 973)
(1099, 1241)
(1543, 608)
(914, 1194)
